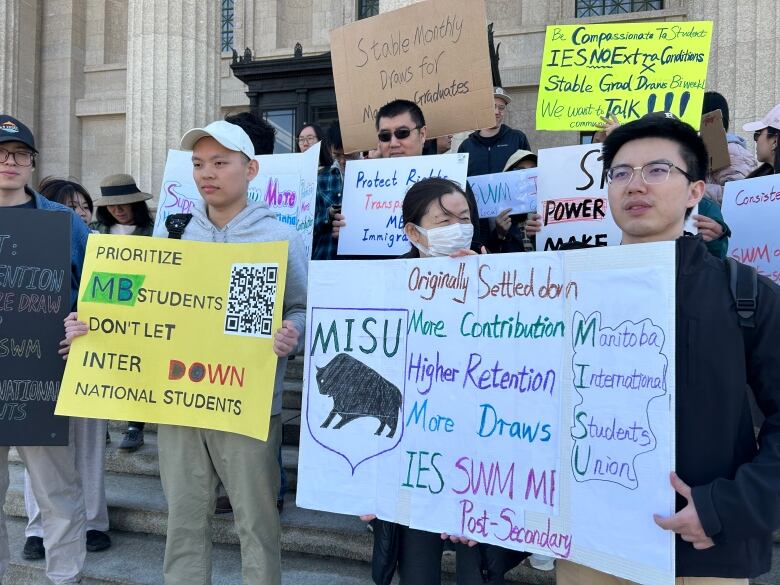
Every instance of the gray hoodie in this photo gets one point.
(257, 223)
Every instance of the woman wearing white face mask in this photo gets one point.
(437, 220)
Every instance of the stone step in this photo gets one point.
(291, 427)
(145, 460)
(293, 394)
(295, 368)
(120, 426)
(137, 505)
(137, 559)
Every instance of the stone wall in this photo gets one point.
(63, 65)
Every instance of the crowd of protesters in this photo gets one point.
(728, 480)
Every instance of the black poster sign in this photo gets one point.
(34, 300)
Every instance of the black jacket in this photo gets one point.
(735, 479)
(489, 155)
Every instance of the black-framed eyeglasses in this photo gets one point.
(399, 133)
(24, 158)
(652, 173)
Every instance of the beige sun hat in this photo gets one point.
(120, 190)
(517, 157)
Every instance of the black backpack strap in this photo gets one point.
(743, 282)
(176, 224)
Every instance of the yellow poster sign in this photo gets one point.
(627, 70)
(180, 333)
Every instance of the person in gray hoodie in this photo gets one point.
(193, 460)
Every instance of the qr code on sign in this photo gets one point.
(250, 300)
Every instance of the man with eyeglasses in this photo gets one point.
(727, 482)
(53, 476)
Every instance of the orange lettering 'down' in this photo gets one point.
(216, 374)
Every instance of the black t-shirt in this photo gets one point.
(29, 205)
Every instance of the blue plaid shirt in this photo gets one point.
(329, 188)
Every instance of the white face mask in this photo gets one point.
(443, 241)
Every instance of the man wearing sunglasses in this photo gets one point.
(727, 482)
(401, 129)
(53, 476)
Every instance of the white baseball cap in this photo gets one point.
(771, 119)
(228, 135)
(499, 92)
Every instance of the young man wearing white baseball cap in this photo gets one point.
(192, 460)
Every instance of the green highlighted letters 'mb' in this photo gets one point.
(114, 289)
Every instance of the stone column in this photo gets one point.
(9, 55)
(173, 81)
(59, 86)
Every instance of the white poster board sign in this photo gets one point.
(515, 190)
(374, 191)
(752, 210)
(287, 183)
(524, 400)
(572, 198)
(690, 223)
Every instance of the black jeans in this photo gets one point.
(419, 561)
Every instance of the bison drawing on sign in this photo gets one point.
(358, 391)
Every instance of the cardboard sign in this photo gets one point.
(522, 400)
(713, 133)
(515, 190)
(34, 299)
(433, 53)
(573, 198)
(625, 69)
(287, 183)
(180, 333)
(752, 209)
(374, 191)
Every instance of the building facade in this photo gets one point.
(110, 85)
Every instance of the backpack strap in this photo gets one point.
(743, 282)
(176, 224)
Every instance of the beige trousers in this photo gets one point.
(567, 573)
(57, 488)
(192, 462)
(89, 435)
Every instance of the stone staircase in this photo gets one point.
(317, 547)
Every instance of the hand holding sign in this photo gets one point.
(708, 228)
(286, 339)
(686, 522)
(73, 328)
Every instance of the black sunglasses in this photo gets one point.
(399, 133)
